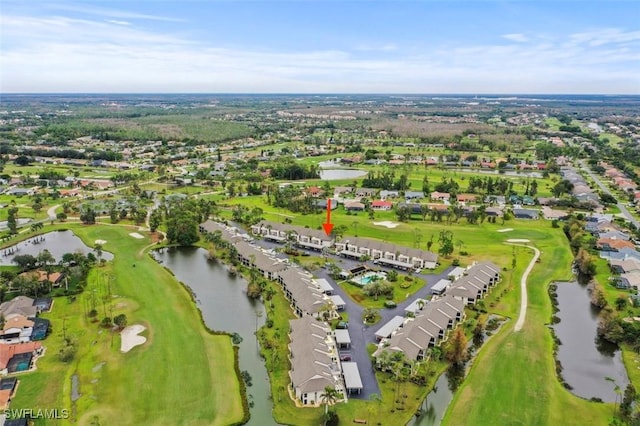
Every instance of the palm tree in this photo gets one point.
(98, 249)
(329, 397)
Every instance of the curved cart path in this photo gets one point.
(523, 286)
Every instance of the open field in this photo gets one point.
(180, 365)
(497, 397)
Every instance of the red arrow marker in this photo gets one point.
(328, 227)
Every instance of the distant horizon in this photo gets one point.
(313, 46)
(479, 94)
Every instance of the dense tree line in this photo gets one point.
(295, 171)
(73, 154)
(295, 200)
(182, 218)
(386, 179)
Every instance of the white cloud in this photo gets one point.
(62, 54)
(604, 36)
(520, 38)
(110, 13)
(116, 22)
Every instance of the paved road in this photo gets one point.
(605, 189)
(361, 335)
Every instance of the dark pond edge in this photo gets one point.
(488, 334)
(236, 349)
(553, 297)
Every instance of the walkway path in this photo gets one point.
(51, 212)
(523, 286)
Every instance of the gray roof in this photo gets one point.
(22, 305)
(324, 285)
(526, 213)
(306, 294)
(623, 253)
(633, 278)
(414, 307)
(352, 379)
(626, 265)
(473, 283)
(342, 336)
(337, 300)
(391, 248)
(619, 235)
(416, 334)
(227, 233)
(441, 286)
(261, 260)
(366, 191)
(390, 326)
(300, 230)
(311, 363)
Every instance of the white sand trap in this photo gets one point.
(505, 230)
(136, 235)
(130, 339)
(387, 224)
(518, 240)
(101, 242)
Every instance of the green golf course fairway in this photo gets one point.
(181, 375)
(513, 379)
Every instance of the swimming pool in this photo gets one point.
(367, 277)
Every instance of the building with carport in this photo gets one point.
(391, 326)
(352, 379)
(338, 302)
(343, 339)
(440, 287)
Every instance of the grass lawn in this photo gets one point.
(402, 289)
(182, 375)
(489, 394)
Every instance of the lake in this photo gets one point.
(58, 243)
(225, 307)
(586, 359)
(330, 170)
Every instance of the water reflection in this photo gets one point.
(58, 243)
(586, 359)
(221, 298)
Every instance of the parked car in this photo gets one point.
(342, 325)
(345, 357)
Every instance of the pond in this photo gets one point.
(58, 243)
(517, 173)
(330, 170)
(435, 404)
(225, 307)
(587, 361)
(337, 174)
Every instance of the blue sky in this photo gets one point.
(326, 46)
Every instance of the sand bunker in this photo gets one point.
(505, 230)
(130, 339)
(101, 242)
(136, 235)
(387, 224)
(518, 240)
